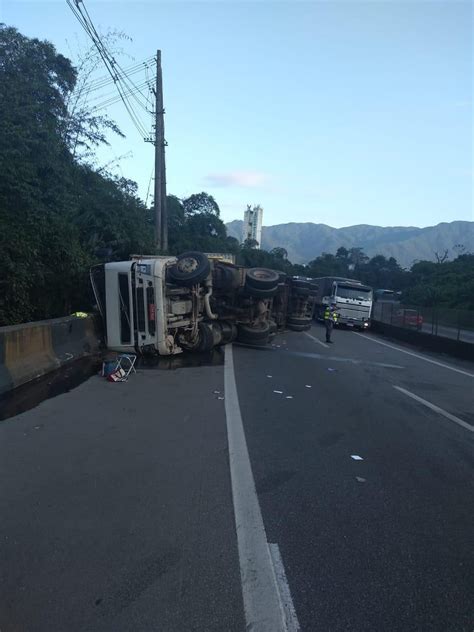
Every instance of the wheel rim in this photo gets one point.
(187, 265)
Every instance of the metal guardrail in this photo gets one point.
(456, 324)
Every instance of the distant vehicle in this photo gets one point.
(164, 305)
(408, 318)
(352, 299)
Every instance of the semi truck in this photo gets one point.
(353, 300)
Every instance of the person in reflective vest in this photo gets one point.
(331, 318)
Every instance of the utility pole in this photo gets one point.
(161, 218)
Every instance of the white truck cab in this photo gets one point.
(138, 314)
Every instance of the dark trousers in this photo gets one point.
(329, 325)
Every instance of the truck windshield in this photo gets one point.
(360, 293)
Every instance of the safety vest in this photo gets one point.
(329, 315)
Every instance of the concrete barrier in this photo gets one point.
(456, 348)
(30, 350)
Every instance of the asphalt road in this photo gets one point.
(117, 505)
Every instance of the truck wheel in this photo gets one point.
(256, 335)
(299, 327)
(258, 293)
(300, 287)
(206, 338)
(190, 269)
(293, 320)
(262, 278)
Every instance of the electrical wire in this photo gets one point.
(111, 100)
(105, 80)
(122, 83)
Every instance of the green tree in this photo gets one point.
(55, 210)
(250, 244)
(200, 203)
(279, 253)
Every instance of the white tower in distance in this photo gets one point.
(253, 223)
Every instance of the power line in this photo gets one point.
(105, 80)
(112, 100)
(95, 85)
(122, 83)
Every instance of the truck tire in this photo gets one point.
(190, 269)
(261, 278)
(299, 327)
(256, 335)
(293, 320)
(259, 293)
(206, 338)
(300, 287)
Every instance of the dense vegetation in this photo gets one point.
(59, 213)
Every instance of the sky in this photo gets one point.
(330, 112)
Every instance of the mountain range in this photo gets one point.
(305, 241)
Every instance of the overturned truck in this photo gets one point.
(164, 305)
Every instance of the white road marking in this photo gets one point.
(415, 355)
(286, 602)
(261, 597)
(437, 409)
(314, 339)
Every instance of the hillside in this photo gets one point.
(306, 241)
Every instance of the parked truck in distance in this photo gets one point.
(352, 299)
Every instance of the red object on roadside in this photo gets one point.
(116, 376)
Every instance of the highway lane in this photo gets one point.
(118, 511)
(382, 543)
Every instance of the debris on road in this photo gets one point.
(360, 479)
(289, 397)
(356, 457)
(279, 392)
(330, 369)
(269, 375)
(220, 398)
(308, 386)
